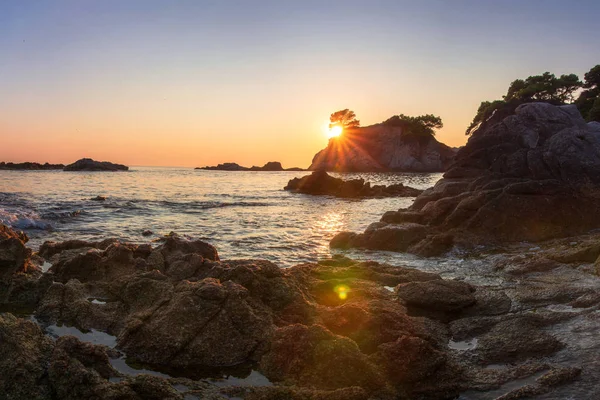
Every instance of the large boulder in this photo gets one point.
(87, 164)
(321, 183)
(529, 176)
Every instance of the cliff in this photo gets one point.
(383, 148)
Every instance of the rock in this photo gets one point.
(382, 148)
(321, 183)
(436, 298)
(30, 166)
(209, 317)
(389, 237)
(516, 339)
(87, 164)
(532, 175)
(14, 255)
(270, 166)
(98, 198)
(225, 167)
(147, 232)
(24, 352)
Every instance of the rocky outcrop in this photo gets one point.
(321, 183)
(87, 164)
(337, 329)
(270, 166)
(529, 176)
(30, 166)
(382, 148)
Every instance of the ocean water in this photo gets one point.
(243, 214)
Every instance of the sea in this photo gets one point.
(245, 215)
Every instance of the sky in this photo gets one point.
(194, 83)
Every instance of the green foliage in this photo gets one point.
(484, 112)
(594, 114)
(588, 101)
(592, 78)
(545, 87)
(421, 126)
(344, 118)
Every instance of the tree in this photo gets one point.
(422, 126)
(545, 87)
(484, 112)
(588, 101)
(344, 118)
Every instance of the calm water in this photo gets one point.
(244, 214)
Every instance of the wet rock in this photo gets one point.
(49, 248)
(516, 339)
(436, 298)
(14, 255)
(393, 237)
(24, 352)
(147, 232)
(312, 356)
(209, 317)
(98, 198)
(321, 183)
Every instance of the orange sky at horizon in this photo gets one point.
(157, 83)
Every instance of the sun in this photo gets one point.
(334, 131)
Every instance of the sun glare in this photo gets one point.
(334, 131)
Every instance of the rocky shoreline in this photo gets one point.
(332, 330)
(530, 176)
(321, 183)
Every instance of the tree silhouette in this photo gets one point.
(344, 118)
(588, 101)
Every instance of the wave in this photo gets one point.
(204, 205)
(23, 220)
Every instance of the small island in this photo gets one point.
(231, 166)
(87, 164)
(30, 166)
(401, 143)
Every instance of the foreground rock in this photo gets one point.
(30, 166)
(338, 329)
(87, 164)
(321, 183)
(380, 148)
(270, 166)
(528, 176)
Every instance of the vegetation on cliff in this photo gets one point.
(547, 88)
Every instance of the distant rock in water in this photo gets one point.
(381, 147)
(529, 173)
(30, 166)
(270, 166)
(87, 164)
(321, 183)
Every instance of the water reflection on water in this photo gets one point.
(244, 214)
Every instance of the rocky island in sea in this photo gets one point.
(87, 164)
(30, 166)
(400, 143)
(270, 166)
(84, 164)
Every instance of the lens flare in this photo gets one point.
(342, 291)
